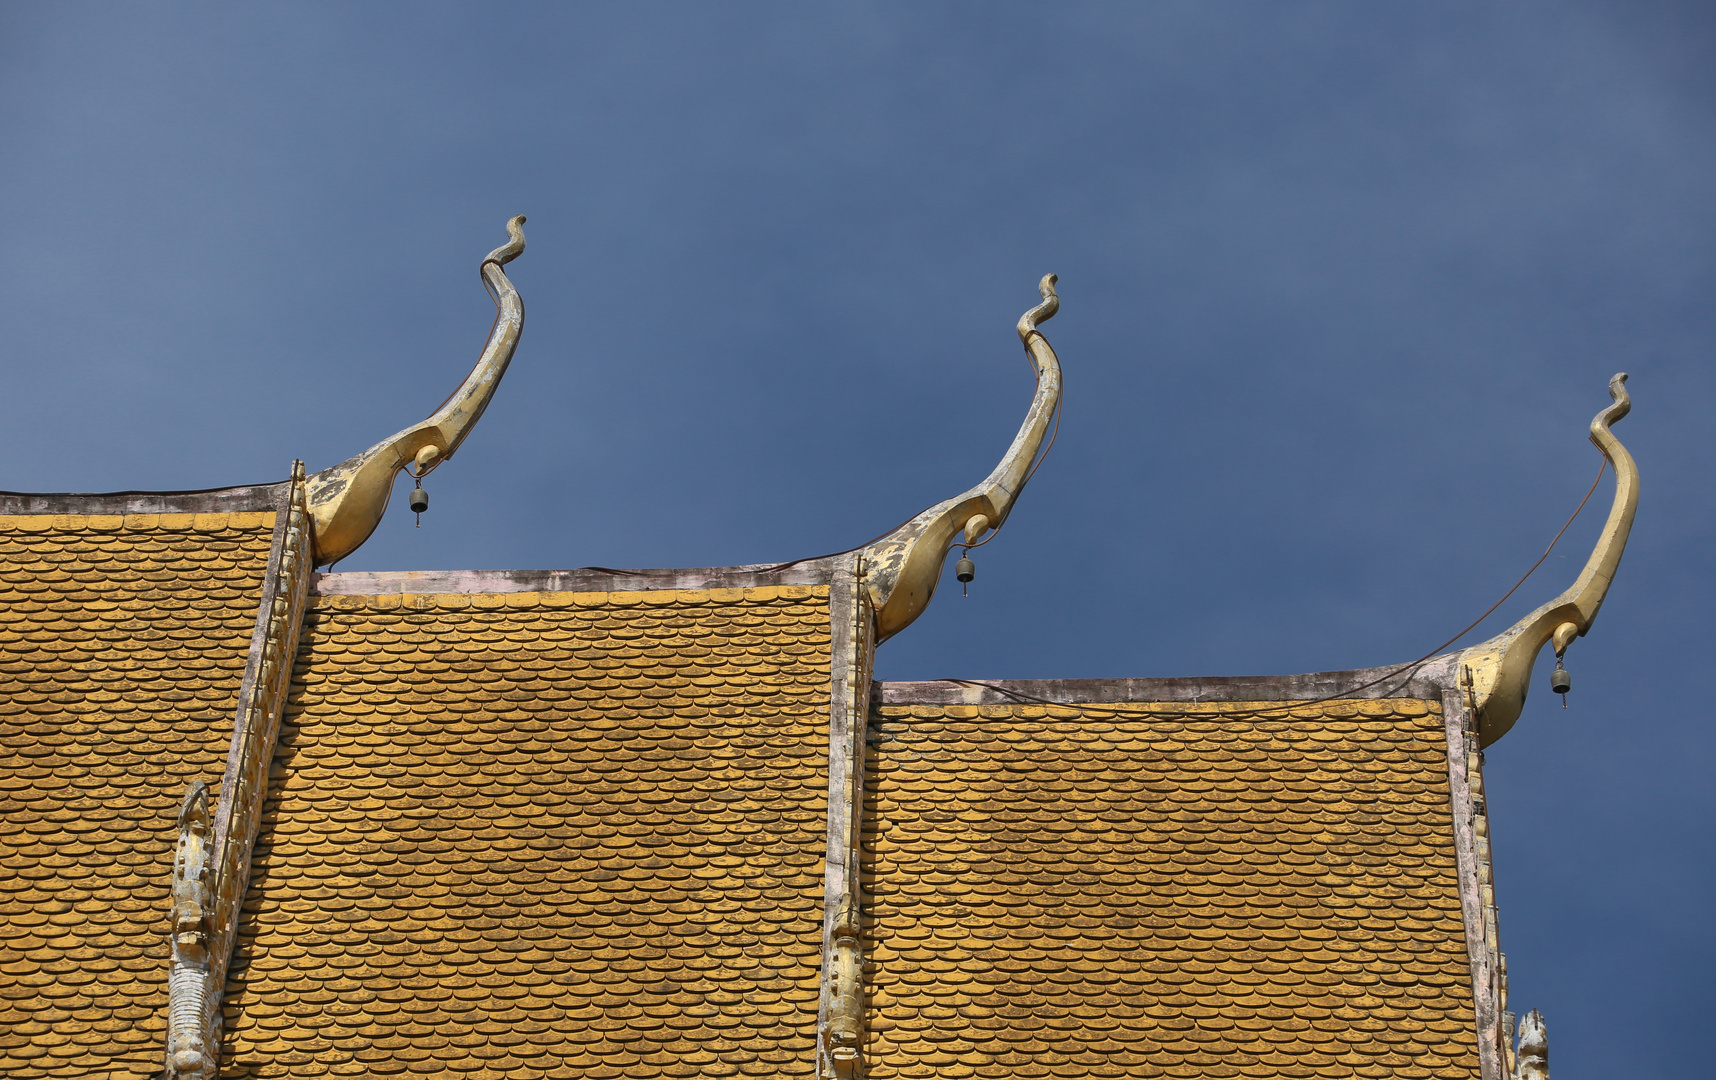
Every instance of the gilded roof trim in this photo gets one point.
(192, 1048)
(1498, 671)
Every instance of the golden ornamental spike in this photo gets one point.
(348, 500)
(1501, 667)
(901, 570)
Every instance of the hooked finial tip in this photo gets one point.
(514, 246)
(1622, 404)
(1044, 311)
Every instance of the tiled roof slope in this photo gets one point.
(1223, 890)
(122, 645)
(543, 835)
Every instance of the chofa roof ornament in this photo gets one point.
(348, 500)
(1497, 673)
(901, 569)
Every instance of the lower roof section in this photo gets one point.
(543, 834)
(1138, 889)
(123, 640)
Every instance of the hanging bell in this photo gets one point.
(1560, 681)
(964, 570)
(419, 502)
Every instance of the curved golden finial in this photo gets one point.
(901, 569)
(1498, 672)
(348, 500)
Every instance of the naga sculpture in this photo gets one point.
(843, 1025)
(1533, 1048)
(901, 569)
(348, 500)
(189, 1055)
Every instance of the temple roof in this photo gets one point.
(123, 640)
(612, 823)
(1176, 889)
(540, 833)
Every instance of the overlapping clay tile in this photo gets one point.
(543, 835)
(1164, 891)
(122, 644)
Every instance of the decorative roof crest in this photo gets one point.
(901, 570)
(1497, 672)
(348, 500)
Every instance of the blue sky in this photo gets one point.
(1342, 286)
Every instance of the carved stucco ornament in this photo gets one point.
(901, 570)
(193, 1037)
(844, 1028)
(1497, 673)
(348, 500)
(1533, 1048)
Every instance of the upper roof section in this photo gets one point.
(900, 570)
